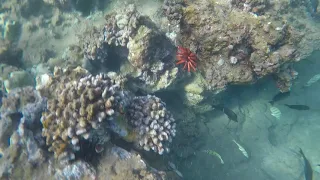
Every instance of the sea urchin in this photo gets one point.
(184, 55)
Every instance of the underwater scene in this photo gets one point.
(159, 89)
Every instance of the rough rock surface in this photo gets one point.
(235, 48)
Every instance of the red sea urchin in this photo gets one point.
(184, 55)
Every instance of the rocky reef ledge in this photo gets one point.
(72, 119)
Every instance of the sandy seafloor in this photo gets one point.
(272, 144)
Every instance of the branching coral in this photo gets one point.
(153, 123)
(86, 108)
(80, 106)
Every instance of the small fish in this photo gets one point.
(308, 172)
(1, 95)
(298, 107)
(213, 153)
(231, 115)
(275, 112)
(314, 5)
(244, 152)
(174, 168)
(279, 97)
(312, 80)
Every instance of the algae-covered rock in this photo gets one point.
(139, 47)
(12, 30)
(166, 79)
(117, 163)
(9, 53)
(192, 99)
(234, 47)
(9, 29)
(194, 90)
(18, 79)
(5, 70)
(6, 128)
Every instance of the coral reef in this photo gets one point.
(237, 47)
(151, 53)
(83, 6)
(129, 37)
(94, 47)
(18, 79)
(59, 3)
(255, 6)
(285, 76)
(121, 164)
(76, 170)
(20, 114)
(134, 39)
(120, 26)
(17, 100)
(173, 10)
(10, 54)
(9, 29)
(235, 42)
(140, 47)
(81, 105)
(153, 123)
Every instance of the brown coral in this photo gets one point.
(77, 107)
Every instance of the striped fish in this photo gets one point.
(244, 152)
(275, 112)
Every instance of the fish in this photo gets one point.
(314, 5)
(1, 96)
(298, 107)
(308, 172)
(275, 112)
(174, 168)
(214, 153)
(312, 80)
(230, 114)
(244, 152)
(279, 96)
